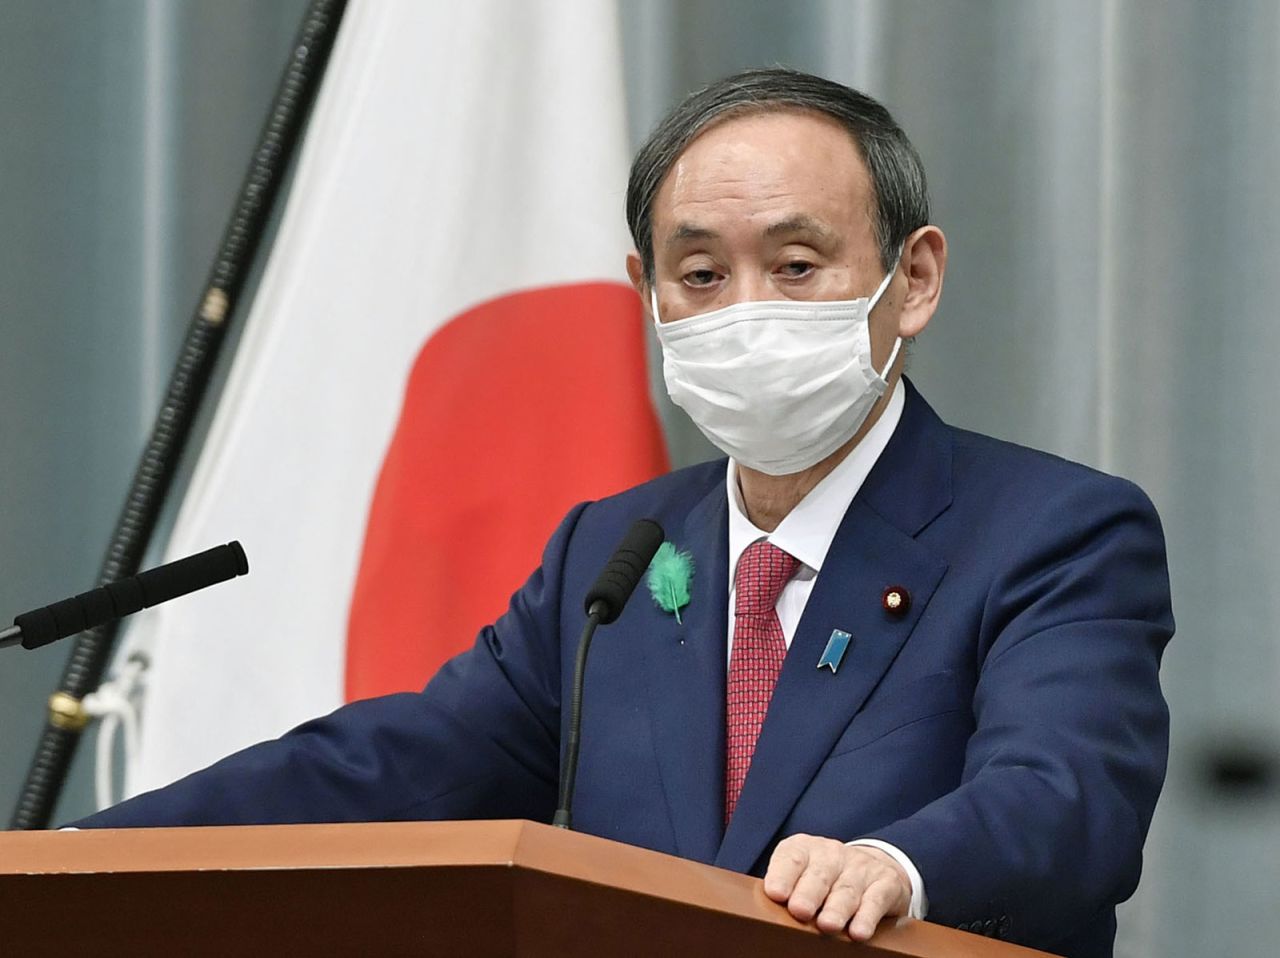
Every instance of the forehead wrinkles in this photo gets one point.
(769, 165)
(729, 166)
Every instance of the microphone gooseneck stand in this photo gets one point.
(604, 603)
(564, 809)
(187, 385)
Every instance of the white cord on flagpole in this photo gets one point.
(115, 703)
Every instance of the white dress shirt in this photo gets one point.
(806, 533)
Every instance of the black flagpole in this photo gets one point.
(280, 135)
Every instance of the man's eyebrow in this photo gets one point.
(800, 223)
(687, 231)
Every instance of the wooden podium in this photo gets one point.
(448, 888)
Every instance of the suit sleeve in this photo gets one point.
(1068, 755)
(480, 741)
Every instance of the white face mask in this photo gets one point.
(777, 385)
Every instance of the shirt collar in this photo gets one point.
(807, 530)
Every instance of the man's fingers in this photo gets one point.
(838, 886)
(815, 882)
(882, 897)
(786, 865)
(840, 906)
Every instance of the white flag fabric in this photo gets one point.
(463, 160)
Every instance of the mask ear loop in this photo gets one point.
(897, 341)
(653, 302)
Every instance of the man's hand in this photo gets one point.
(837, 882)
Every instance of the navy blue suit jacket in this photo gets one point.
(1007, 732)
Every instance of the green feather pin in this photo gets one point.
(670, 573)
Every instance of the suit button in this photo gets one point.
(1002, 927)
(989, 927)
(963, 926)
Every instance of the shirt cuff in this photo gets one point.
(919, 900)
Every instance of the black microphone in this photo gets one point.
(620, 575)
(125, 597)
(604, 604)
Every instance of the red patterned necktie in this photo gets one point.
(756, 659)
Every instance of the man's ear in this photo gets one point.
(635, 271)
(924, 261)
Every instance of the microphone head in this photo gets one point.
(620, 576)
(240, 562)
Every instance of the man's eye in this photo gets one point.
(700, 277)
(797, 269)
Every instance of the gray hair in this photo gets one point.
(897, 175)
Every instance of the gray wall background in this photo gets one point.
(1104, 170)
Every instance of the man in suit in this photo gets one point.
(917, 671)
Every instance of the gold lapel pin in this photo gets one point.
(896, 600)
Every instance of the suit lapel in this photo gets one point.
(874, 548)
(685, 671)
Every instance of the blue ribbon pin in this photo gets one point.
(837, 645)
